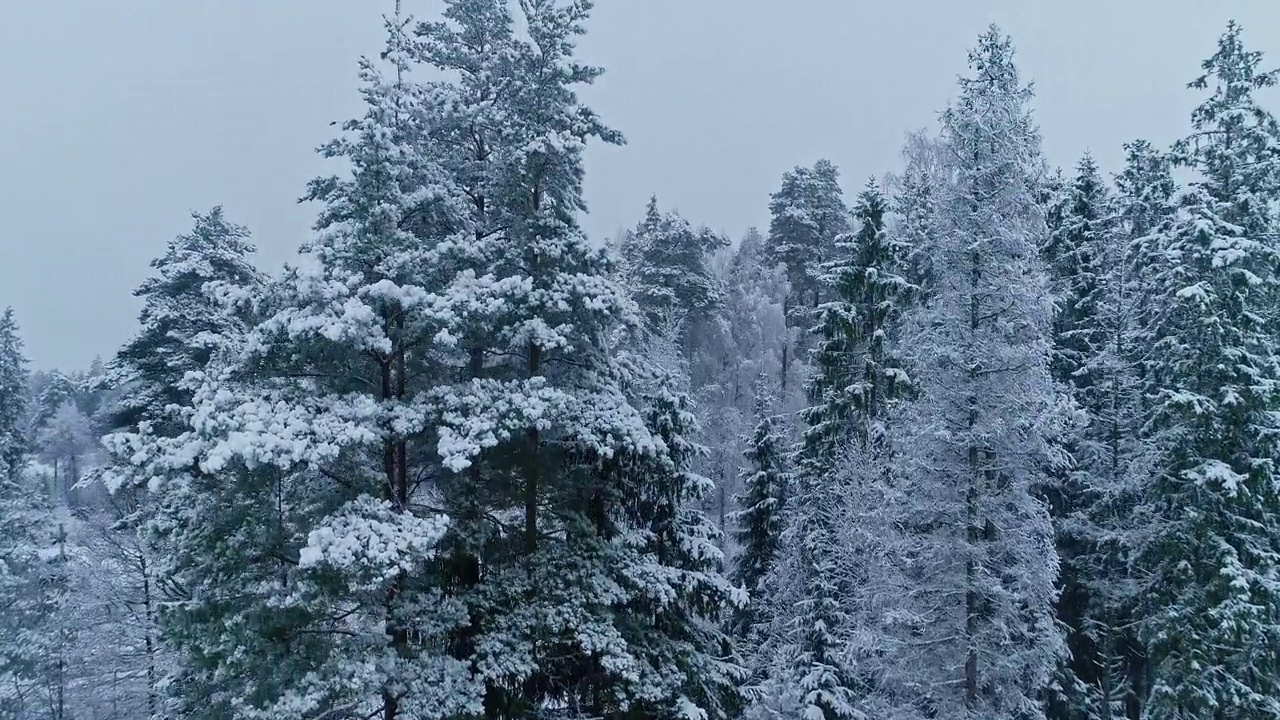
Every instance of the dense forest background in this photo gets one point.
(975, 438)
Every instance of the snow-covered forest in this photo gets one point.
(974, 438)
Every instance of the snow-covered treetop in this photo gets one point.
(1235, 141)
(667, 261)
(808, 213)
(197, 296)
(13, 380)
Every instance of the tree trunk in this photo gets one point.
(971, 599)
(394, 463)
(532, 466)
(786, 346)
(970, 591)
(60, 707)
(148, 639)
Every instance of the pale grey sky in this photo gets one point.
(122, 117)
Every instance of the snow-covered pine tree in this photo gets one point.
(1075, 209)
(194, 299)
(1080, 227)
(546, 451)
(856, 375)
(55, 390)
(1122, 458)
(667, 262)
(808, 213)
(30, 586)
(667, 269)
(528, 314)
(303, 542)
(183, 301)
(747, 262)
(19, 543)
(1147, 207)
(13, 395)
(1212, 549)
(758, 525)
(976, 632)
(688, 665)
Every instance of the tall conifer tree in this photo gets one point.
(977, 637)
(1212, 550)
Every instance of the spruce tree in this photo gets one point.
(759, 523)
(688, 666)
(1146, 204)
(1106, 248)
(854, 380)
(1095, 326)
(855, 371)
(1212, 550)
(1146, 195)
(1080, 235)
(13, 391)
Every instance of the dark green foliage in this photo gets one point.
(184, 308)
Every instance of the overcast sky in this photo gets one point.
(120, 118)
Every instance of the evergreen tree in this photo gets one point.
(667, 262)
(18, 543)
(855, 373)
(914, 207)
(747, 263)
(1128, 458)
(759, 523)
(13, 381)
(1147, 208)
(306, 444)
(57, 390)
(198, 298)
(849, 393)
(808, 214)
(450, 351)
(688, 665)
(1094, 331)
(974, 630)
(30, 586)
(542, 427)
(183, 304)
(1079, 237)
(1212, 550)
